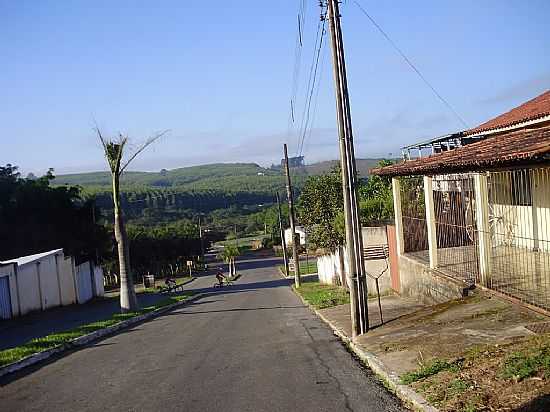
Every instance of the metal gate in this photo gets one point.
(5, 298)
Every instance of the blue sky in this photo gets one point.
(218, 74)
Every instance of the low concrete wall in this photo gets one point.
(331, 271)
(428, 285)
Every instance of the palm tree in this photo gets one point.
(114, 153)
(228, 255)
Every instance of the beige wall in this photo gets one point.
(514, 225)
(328, 266)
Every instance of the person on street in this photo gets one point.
(220, 276)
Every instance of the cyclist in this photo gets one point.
(220, 276)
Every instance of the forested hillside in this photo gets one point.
(227, 194)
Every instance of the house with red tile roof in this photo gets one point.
(473, 209)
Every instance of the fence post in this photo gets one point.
(396, 188)
(483, 228)
(430, 220)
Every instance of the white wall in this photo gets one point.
(29, 292)
(49, 284)
(66, 280)
(84, 287)
(299, 231)
(513, 225)
(328, 266)
(10, 270)
(99, 289)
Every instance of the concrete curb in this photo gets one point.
(392, 380)
(85, 339)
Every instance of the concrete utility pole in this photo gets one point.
(202, 240)
(282, 230)
(354, 240)
(295, 256)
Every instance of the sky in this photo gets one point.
(219, 76)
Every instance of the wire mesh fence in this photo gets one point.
(455, 221)
(518, 251)
(413, 209)
(519, 218)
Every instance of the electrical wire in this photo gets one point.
(411, 64)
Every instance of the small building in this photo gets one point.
(475, 210)
(46, 280)
(300, 231)
(297, 161)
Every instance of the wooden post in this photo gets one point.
(483, 228)
(396, 188)
(430, 220)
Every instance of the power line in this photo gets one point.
(311, 86)
(297, 64)
(411, 64)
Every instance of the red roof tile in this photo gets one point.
(520, 147)
(531, 110)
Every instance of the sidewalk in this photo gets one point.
(468, 341)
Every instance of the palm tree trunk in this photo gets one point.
(128, 299)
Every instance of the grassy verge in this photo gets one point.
(323, 296)
(306, 268)
(494, 377)
(159, 284)
(53, 340)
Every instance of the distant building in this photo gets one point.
(300, 231)
(297, 161)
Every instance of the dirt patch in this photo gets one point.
(510, 377)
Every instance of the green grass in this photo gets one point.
(53, 340)
(306, 268)
(323, 296)
(524, 364)
(431, 368)
(179, 281)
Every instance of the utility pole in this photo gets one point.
(282, 230)
(297, 280)
(202, 240)
(354, 241)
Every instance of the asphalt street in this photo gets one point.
(250, 347)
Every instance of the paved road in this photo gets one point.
(252, 347)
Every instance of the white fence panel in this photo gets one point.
(84, 282)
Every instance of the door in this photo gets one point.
(5, 298)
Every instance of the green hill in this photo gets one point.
(240, 189)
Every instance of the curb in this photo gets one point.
(85, 339)
(392, 380)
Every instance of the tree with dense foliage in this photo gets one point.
(319, 206)
(114, 153)
(376, 198)
(36, 217)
